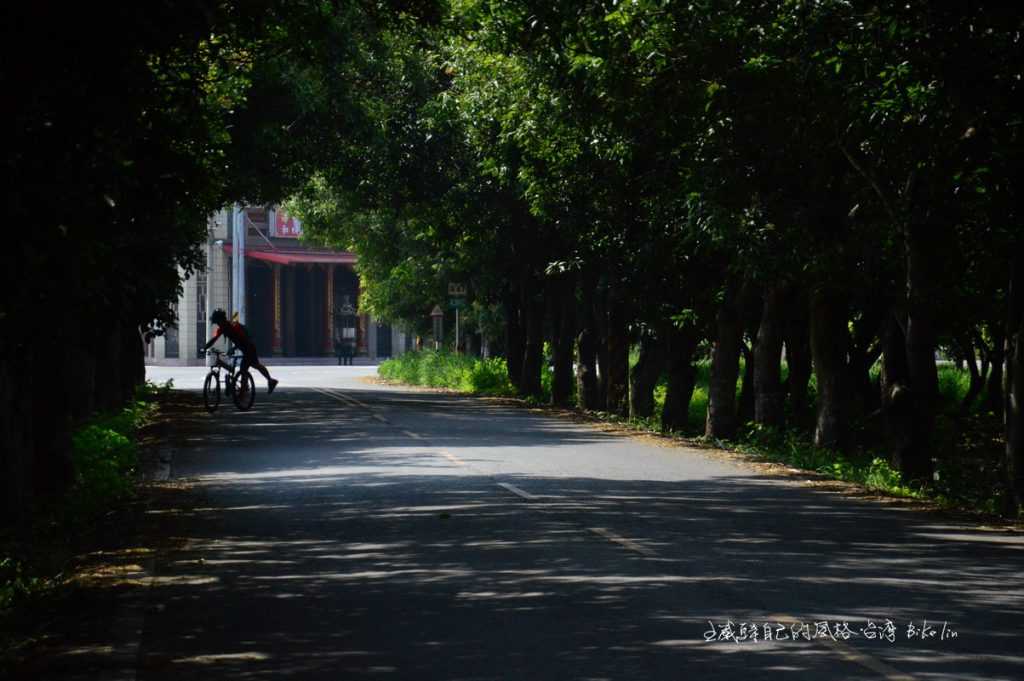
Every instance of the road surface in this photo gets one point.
(355, 531)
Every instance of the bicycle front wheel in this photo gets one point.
(245, 390)
(211, 392)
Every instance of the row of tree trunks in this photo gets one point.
(969, 355)
(895, 393)
(602, 331)
(682, 376)
(1014, 392)
(645, 374)
(862, 355)
(533, 351)
(798, 359)
(829, 343)
(993, 399)
(769, 397)
(745, 402)
(46, 388)
(725, 353)
(515, 337)
(563, 310)
(587, 384)
(915, 464)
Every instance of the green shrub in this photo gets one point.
(104, 456)
(104, 461)
(446, 370)
(953, 384)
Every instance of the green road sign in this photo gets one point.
(457, 303)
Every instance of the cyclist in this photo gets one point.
(236, 333)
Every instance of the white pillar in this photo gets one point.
(239, 229)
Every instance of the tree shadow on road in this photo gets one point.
(356, 556)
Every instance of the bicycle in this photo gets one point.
(237, 383)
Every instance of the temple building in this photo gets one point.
(299, 303)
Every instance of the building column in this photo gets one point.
(311, 309)
(238, 291)
(289, 310)
(277, 344)
(329, 311)
(188, 344)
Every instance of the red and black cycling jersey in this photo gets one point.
(236, 333)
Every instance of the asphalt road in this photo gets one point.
(354, 531)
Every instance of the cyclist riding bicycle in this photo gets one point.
(236, 333)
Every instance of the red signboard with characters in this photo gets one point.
(287, 225)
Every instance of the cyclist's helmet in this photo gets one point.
(219, 316)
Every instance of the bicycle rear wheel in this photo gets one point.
(211, 392)
(245, 390)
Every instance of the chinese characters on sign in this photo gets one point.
(287, 226)
(887, 630)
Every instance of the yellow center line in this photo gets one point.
(622, 541)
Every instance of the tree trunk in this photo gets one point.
(798, 361)
(514, 338)
(895, 393)
(533, 352)
(916, 464)
(16, 427)
(617, 385)
(745, 406)
(829, 341)
(994, 384)
(133, 362)
(586, 350)
(682, 377)
(1014, 401)
(725, 365)
(82, 379)
(108, 368)
(564, 331)
(977, 381)
(769, 400)
(51, 415)
(864, 351)
(603, 358)
(644, 377)
(986, 365)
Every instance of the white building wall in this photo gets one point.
(187, 341)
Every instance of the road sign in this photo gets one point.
(456, 290)
(457, 303)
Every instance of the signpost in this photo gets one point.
(457, 299)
